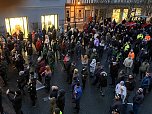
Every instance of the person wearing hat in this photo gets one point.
(138, 100)
(16, 100)
(54, 92)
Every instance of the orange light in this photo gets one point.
(78, 3)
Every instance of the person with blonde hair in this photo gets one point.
(84, 60)
(75, 73)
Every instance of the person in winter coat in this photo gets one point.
(32, 92)
(136, 67)
(47, 76)
(130, 85)
(77, 96)
(121, 90)
(102, 81)
(84, 75)
(117, 105)
(39, 46)
(92, 67)
(54, 92)
(20, 63)
(84, 60)
(61, 100)
(16, 100)
(143, 68)
(113, 72)
(128, 63)
(138, 100)
(145, 83)
(121, 76)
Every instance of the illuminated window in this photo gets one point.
(125, 14)
(49, 21)
(14, 25)
(116, 15)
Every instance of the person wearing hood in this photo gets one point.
(121, 90)
(61, 100)
(54, 92)
(92, 67)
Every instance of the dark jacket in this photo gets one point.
(61, 100)
(16, 101)
(138, 98)
(130, 84)
(54, 93)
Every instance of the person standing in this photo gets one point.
(16, 100)
(137, 100)
(77, 96)
(128, 62)
(32, 92)
(61, 100)
(84, 75)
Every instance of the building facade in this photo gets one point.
(79, 11)
(33, 15)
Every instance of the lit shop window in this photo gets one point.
(116, 15)
(125, 14)
(49, 21)
(136, 12)
(15, 25)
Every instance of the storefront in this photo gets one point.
(15, 25)
(125, 14)
(116, 15)
(49, 21)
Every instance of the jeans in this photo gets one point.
(135, 108)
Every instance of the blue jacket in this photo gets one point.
(78, 92)
(145, 82)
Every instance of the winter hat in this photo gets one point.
(39, 59)
(54, 88)
(21, 73)
(140, 90)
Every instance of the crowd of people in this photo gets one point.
(126, 49)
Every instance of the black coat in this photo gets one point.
(16, 101)
(61, 100)
(54, 93)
